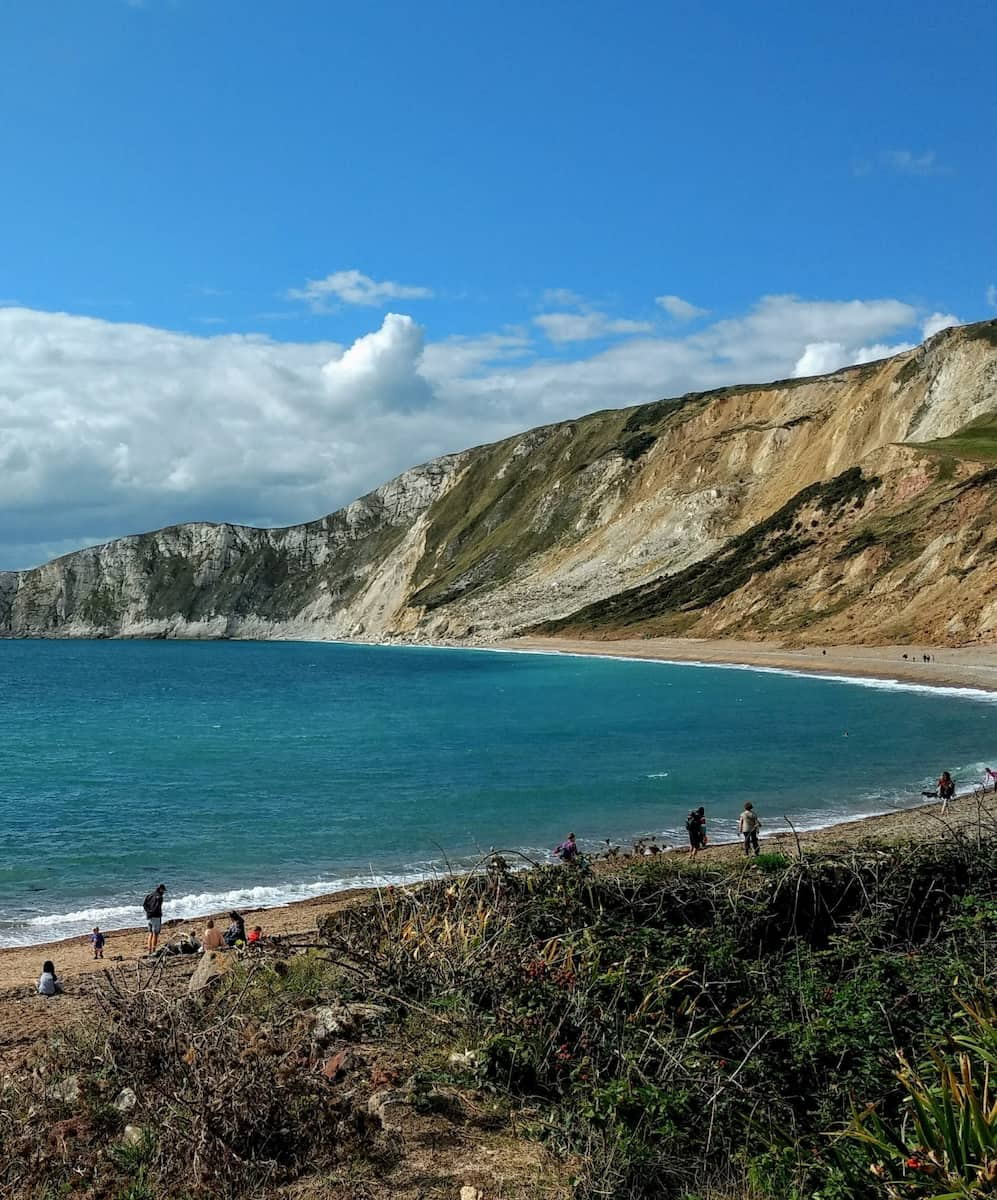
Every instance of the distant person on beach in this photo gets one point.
(153, 905)
(212, 939)
(695, 824)
(567, 852)
(48, 981)
(235, 935)
(990, 777)
(254, 935)
(97, 941)
(748, 825)
(946, 789)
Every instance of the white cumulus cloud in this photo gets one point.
(678, 308)
(936, 322)
(353, 287)
(380, 369)
(108, 429)
(992, 295)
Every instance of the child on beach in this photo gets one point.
(254, 935)
(97, 941)
(48, 981)
(212, 939)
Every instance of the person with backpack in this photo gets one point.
(567, 852)
(695, 824)
(153, 906)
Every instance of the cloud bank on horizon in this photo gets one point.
(108, 429)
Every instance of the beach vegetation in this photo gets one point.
(803, 1026)
(770, 863)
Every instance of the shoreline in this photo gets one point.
(20, 965)
(968, 668)
(971, 667)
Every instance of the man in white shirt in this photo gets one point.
(748, 826)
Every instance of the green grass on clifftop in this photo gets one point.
(976, 441)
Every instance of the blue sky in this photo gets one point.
(566, 206)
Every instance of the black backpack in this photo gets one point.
(149, 903)
(692, 822)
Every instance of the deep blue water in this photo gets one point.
(244, 773)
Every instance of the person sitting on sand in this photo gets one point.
(946, 789)
(254, 935)
(235, 935)
(212, 939)
(695, 824)
(48, 981)
(567, 852)
(748, 826)
(97, 941)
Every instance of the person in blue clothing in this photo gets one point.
(97, 941)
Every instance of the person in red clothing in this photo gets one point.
(254, 935)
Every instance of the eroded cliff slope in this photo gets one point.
(857, 505)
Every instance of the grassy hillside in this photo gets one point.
(654, 1030)
(976, 441)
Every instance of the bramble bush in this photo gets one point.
(689, 1030)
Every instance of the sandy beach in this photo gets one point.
(973, 666)
(24, 1016)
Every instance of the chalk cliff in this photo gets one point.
(854, 506)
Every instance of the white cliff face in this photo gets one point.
(213, 581)
(493, 540)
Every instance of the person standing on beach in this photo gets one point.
(153, 905)
(97, 941)
(695, 824)
(748, 825)
(946, 789)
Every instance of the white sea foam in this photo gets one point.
(878, 683)
(50, 927)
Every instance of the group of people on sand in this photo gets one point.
(212, 939)
(748, 825)
(234, 937)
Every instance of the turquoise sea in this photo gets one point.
(247, 773)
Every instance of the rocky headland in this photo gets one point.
(853, 507)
